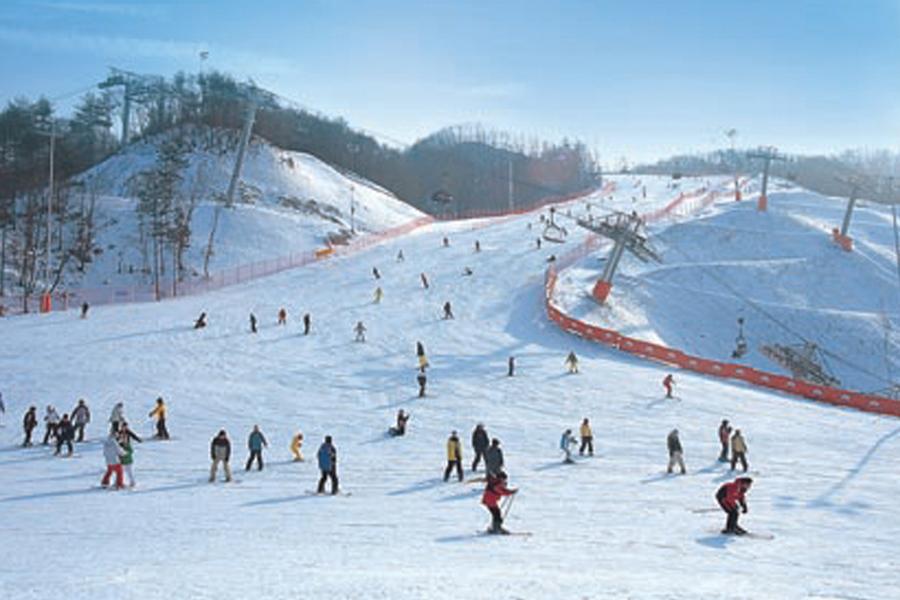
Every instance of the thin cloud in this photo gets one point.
(495, 91)
(106, 8)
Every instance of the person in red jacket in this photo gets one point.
(493, 492)
(668, 383)
(731, 497)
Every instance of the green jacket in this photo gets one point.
(128, 457)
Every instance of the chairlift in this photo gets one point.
(740, 343)
(553, 232)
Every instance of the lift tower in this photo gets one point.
(767, 154)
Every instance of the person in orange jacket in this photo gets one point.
(494, 490)
(159, 411)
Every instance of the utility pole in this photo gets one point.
(731, 134)
(352, 208)
(50, 203)
(767, 155)
(511, 202)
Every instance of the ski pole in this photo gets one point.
(508, 506)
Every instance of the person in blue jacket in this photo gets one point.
(255, 444)
(327, 456)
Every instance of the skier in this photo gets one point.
(255, 444)
(587, 438)
(2, 405)
(125, 435)
(493, 458)
(127, 460)
(297, 446)
(200, 323)
(307, 321)
(493, 492)
(480, 443)
(420, 354)
(511, 366)
(400, 428)
(379, 294)
(81, 416)
(85, 307)
(477, 246)
(538, 243)
(730, 496)
(375, 273)
(446, 242)
(668, 383)
(675, 452)
(116, 417)
(282, 316)
(159, 411)
(572, 362)
(220, 452)
(422, 379)
(724, 435)
(448, 310)
(454, 457)
(253, 323)
(51, 421)
(424, 280)
(738, 450)
(360, 330)
(400, 256)
(566, 441)
(29, 422)
(112, 453)
(467, 272)
(327, 457)
(65, 433)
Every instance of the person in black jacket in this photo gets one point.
(65, 433)
(200, 323)
(676, 453)
(29, 422)
(307, 323)
(220, 452)
(480, 443)
(422, 379)
(493, 458)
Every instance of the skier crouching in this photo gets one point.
(493, 492)
(731, 496)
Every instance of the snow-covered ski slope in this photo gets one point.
(778, 270)
(287, 202)
(613, 526)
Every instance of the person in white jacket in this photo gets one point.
(51, 420)
(113, 453)
(117, 417)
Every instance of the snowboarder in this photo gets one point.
(477, 246)
(297, 446)
(327, 457)
(85, 307)
(587, 438)
(422, 379)
(360, 330)
(511, 366)
(668, 383)
(29, 422)
(480, 443)
(81, 416)
(572, 362)
(448, 310)
(676, 453)
(375, 273)
(51, 423)
(493, 458)
(424, 280)
(127, 460)
(566, 441)
(307, 322)
(379, 294)
(738, 450)
(116, 417)
(400, 428)
(494, 490)
(730, 497)
(159, 411)
(253, 328)
(400, 256)
(454, 457)
(724, 436)
(200, 323)
(467, 272)
(65, 433)
(420, 354)
(282, 316)
(112, 453)
(220, 452)
(255, 443)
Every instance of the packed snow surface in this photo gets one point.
(612, 526)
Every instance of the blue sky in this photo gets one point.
(641, 79)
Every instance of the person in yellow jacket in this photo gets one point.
(379, 294)
(738, 450)
(296, 446)
(587, 438)
(159, 411)
(454, 457)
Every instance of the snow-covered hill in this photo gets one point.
(613, 526)
(287, 202)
